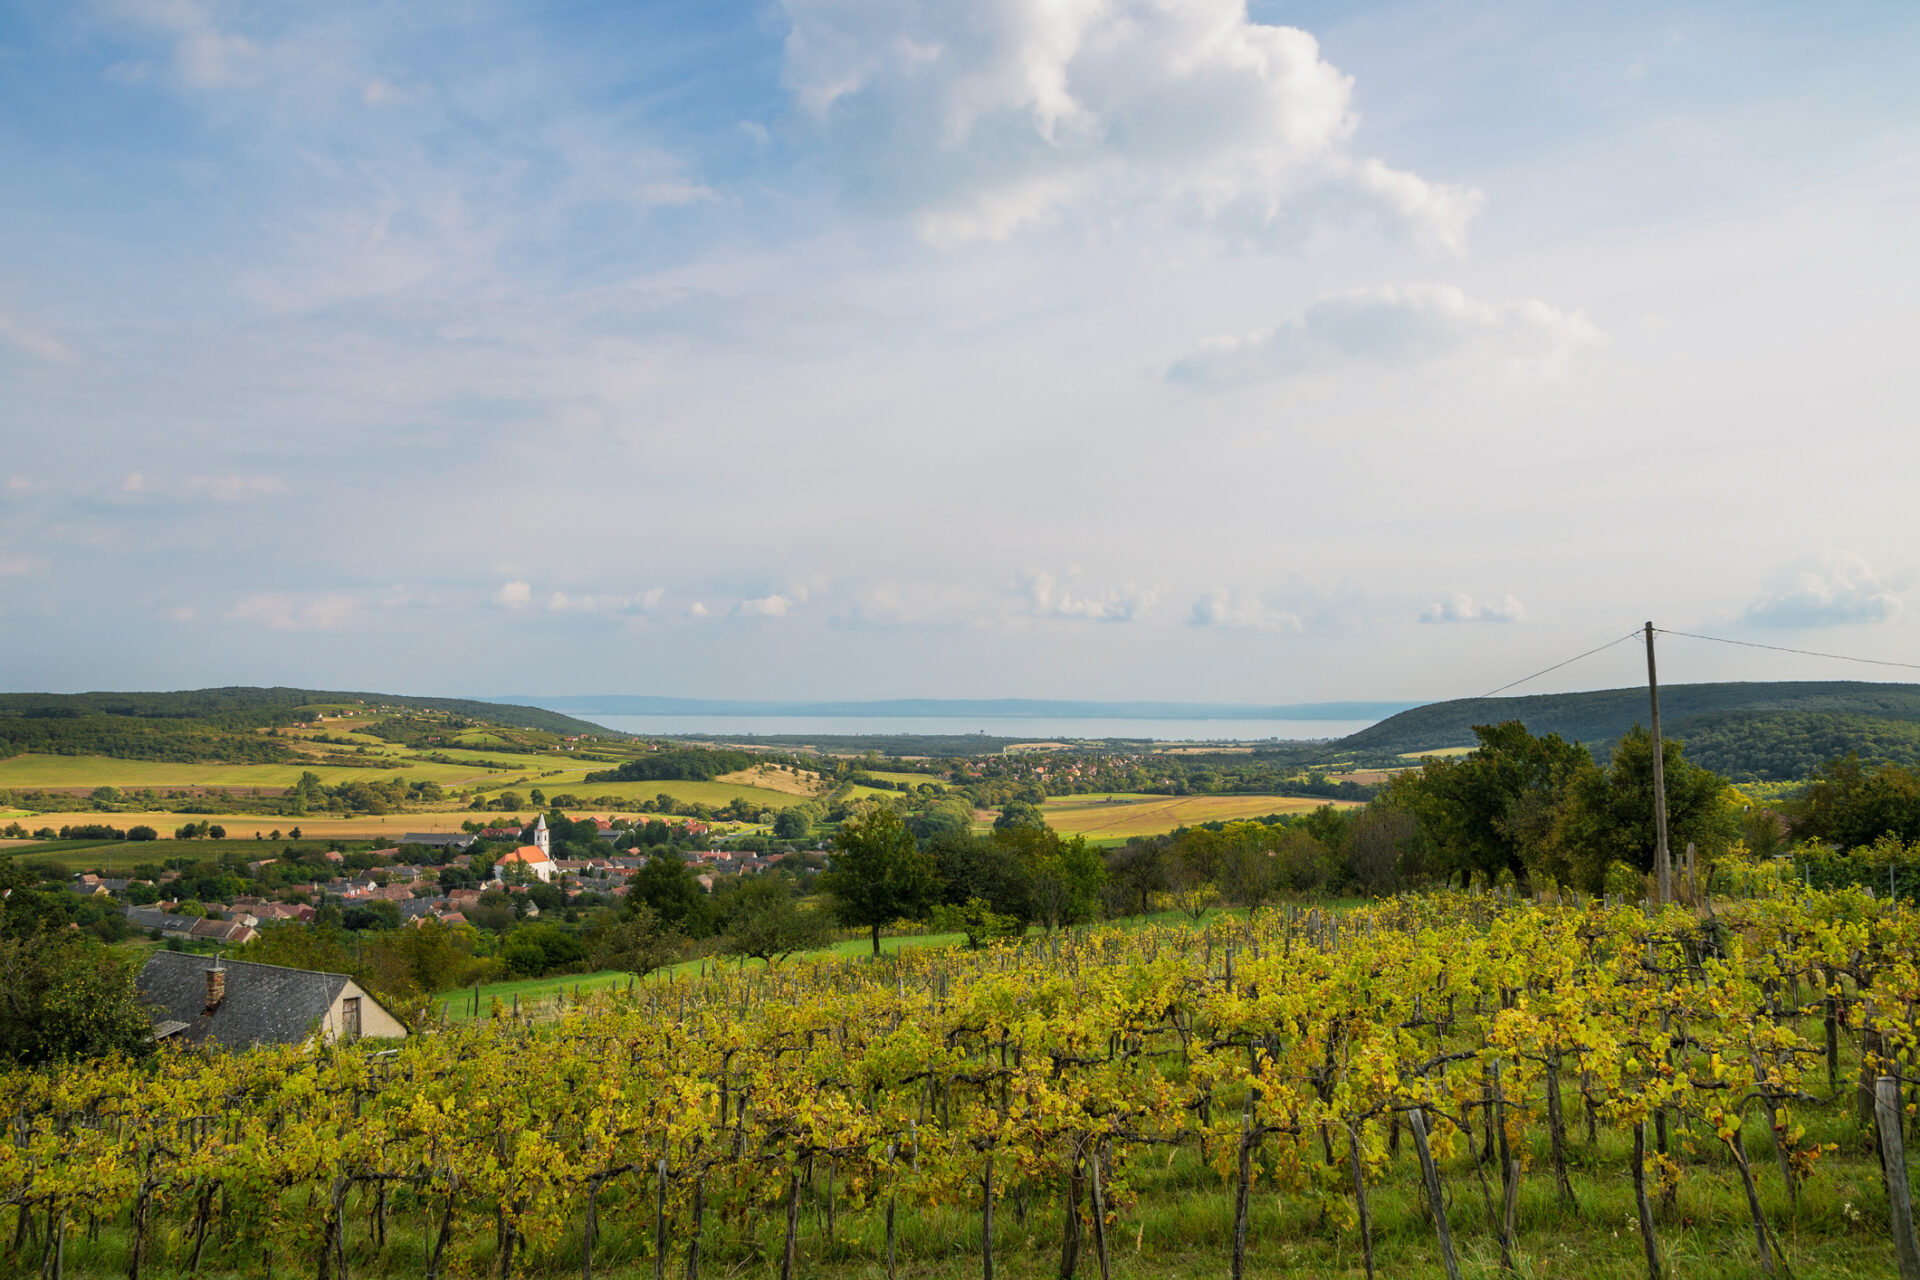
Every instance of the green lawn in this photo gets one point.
(536, 990)
(31, 771)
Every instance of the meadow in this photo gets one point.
(79, 773)
(1119, 816)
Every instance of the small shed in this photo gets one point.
(236, 1003)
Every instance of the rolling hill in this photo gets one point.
(1770, 731)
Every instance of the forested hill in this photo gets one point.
(241, 707)
(1778, 730)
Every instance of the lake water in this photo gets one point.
(1024, 728)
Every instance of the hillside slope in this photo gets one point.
(208, 717)
(1775, 730)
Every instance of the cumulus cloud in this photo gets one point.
(514, 595)
(134, 483)
(328, 612)
(768, 606)
(1223, 609)
(1461, 607)
(980, 120)
(1838, 595)
(1414, 325)
(1048, 597)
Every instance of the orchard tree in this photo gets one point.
(878, 874)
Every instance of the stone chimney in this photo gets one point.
(216, 986)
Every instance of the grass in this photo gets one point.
(379, 827)
(1116, 816)
(537, 990)
(32, 771)
(120, 855)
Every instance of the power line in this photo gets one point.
(1808, 653)
(1556, 666)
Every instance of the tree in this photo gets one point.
(1017, 814)
(637, 943)
(792, 824)
(764, 922)
(1609, 815)
(1850, 806)
(1067, 879)
(1495, 809)
(878, 874)
(1249, 875)
(666, 884)
(62, 994)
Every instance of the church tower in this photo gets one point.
(541, 838)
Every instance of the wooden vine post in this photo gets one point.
(1887, 1112)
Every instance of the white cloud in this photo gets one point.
(514, 595)
(1460, 607)
(34, 342)
(677, 191)
(1414, 325)
(179, 613)
(1048, 597)
(231, 488)
(1221, 608)
(980, 120)
(19, 566)
(134, 483)
(24, 484)
(641, 602)
(769, 606)
(328, 612)
(204, 55)
(1838, 595)
(698, 610)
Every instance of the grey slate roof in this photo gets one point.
(264, 1004)
(455, 839)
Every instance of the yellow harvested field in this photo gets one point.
(241, 826)
(773, 777)
(1437, 751)
(1102, 817)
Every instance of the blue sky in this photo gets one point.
(838, 348)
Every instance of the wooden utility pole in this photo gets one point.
(1662, 858)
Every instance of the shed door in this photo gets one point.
(350, 1017)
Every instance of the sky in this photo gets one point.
(1127, 349)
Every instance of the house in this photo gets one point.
(537, 857)
(171, 925)
(235, 1003)
(440, 839)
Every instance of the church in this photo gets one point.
(537, 857)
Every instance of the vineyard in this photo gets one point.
(1442, 1085)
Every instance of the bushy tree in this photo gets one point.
(1609, 813)
(1851, 806)
(62, 994)
(762, 920)
(878, 874)
(1496, 808)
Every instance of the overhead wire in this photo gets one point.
(1556, 666)
(1808, 653)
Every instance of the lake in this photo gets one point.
(1024, 728)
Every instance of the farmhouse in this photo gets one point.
(235, 1003)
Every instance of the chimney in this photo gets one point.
(216, 986)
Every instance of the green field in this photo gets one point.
(718, 794)
(33, 771)
(1118, 816)
(533, 991)
(911, 779)
(120, 855)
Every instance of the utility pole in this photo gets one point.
(1662, 859)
